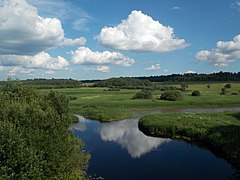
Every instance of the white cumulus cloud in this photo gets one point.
(67, 11)
(223, 54)
(103, 69)
(74, 42)
(154, 67)
(84, 55)
(41, 60)
(140, 33)
(24, 32)
(20, 70)
(191, 72)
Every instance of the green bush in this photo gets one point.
(144, 94)
(184, 86)
(166, 88)
(35, 141)
(171, 96)
(196, 93)
(223, 91)
(228, 85)
(71, 98)
(114, 89)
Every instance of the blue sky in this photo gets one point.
(86, 39)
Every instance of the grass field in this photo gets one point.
(103, 105)
(219, 131)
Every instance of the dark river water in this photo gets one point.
(120, 151)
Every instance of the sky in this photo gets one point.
(87, 39)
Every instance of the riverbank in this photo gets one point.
(106, 106)
(219, 131)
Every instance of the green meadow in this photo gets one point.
(219, 131)
(103, 105)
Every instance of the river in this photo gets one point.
(120, 151)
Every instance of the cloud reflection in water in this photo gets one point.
(127, 134)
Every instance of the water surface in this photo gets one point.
(120, 151)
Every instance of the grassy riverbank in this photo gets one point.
(219, 131)
(103, 105)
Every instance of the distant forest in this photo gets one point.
(123, 83)
(188, 77)
(41, 83)
(132, 81)
(194, 77)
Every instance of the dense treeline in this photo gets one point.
(194, 77)
(130, 82)
(123, 82)
(35, 141)
(50, 83)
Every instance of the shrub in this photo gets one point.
(171, 96)
(228, 86)
(196, 93)
(224, 91)
(71, 98)
(184, 86)
(144, 94)
(114, 89)
(208, 86)
(166, 88)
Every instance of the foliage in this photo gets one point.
(223, 91)
(71, 98)
(144, 94)
(217, 130)
(184, 86)
(165, 87)
(35, 141)
(171, 96)
(196, 93)
(114, 89)
(128, 83)
(228, 86)
(194, 77)
(41, 83)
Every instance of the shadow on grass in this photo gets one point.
(226, 139)
(236, 115)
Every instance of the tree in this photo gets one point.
(35, 141)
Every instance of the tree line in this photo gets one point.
(42, 83)
(194, 77)
(131, 82)
(123, 82)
